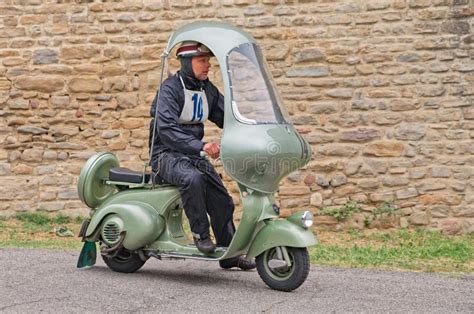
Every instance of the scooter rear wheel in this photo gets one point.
(286, 278)
(124, 262)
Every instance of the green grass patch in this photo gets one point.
(38, 230)
(421, 250)
(417, 250)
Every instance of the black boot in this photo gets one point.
(238, 261)
(205, 245)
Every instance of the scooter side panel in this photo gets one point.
(142, 211)
(141, 223)
(280, 233)
(160, 198)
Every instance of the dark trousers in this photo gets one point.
(202, 193)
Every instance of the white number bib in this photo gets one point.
(196, 108)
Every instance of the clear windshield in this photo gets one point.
(255, 99)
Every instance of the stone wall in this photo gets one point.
(385, 86)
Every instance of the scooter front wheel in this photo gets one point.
(278, 274)
(124, 261)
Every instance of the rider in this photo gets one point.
(186, 100)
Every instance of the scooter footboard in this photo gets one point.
(280, 233)
(139, 221)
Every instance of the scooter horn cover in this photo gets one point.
(91, 187)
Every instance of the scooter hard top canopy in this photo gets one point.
(259, 145)
(219, 37)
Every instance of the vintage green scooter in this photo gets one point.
(134, 216)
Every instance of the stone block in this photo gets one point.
(419, 3)
(316, 199)
(50, 155)
(133, 123)
(394, 181)
(293, 190)
(31, 129)
(67, 194)
(338, 180)
(325, 220)
(46, 169)
(384, 149)
(404, 222)
(381, 197)
(45, 84)
(57, 180)
(309, 54)
(456, 27)
(337, 19)
(430, 185)
(284, 10)
(468, 113)
(127, 100)
(32, 154)
(118, 144)
(463, 66)
(60, 131)
(439, 211)
(51, 206)
(313, 71)
(340, 93)
(440, 172)
(432, 14)
(45, 56)
(450, 226)
(378, 5)
(338, 150)
(22, 169)
(266, 21)
(360, 135)
(419, 218)
(85, 85)
(80, 52)
(368, 184)
(352, 167)
(5, 169)
(48, 196)
(108, 134)
(60, 102)
(326, 108)
(348, 120)
(410, 131)
(406, 193)
(464, 211)
(440, 198)
(309, 180)
(294, 202)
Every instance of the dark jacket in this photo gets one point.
(173, 136)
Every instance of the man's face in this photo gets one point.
(201, 67)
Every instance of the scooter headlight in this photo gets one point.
(307, 219)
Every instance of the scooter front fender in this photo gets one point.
(140, 221)
(280, 233)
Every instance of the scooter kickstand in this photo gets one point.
(153, 254)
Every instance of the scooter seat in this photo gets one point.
(121, 174)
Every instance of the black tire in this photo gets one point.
(124, 262)
(286, 279)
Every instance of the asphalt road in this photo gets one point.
(41, 280)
